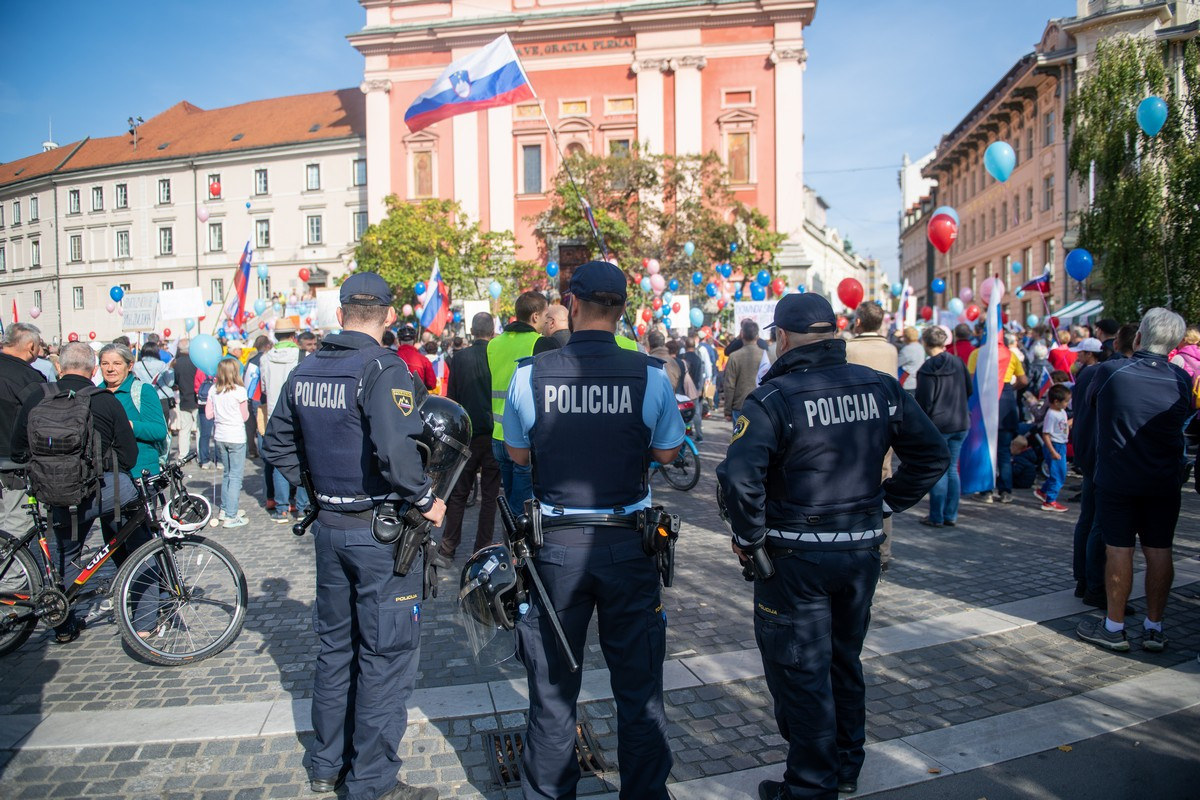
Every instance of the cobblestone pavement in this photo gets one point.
(996, 555)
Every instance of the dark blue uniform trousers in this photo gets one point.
(370, 639)
(1089, 554)
(810, 620)
(604, 569)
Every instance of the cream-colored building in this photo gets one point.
(84, 217)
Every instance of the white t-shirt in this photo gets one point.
(229, 427)
(1055, 424)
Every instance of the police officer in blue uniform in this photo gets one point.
(801, 485)
(590, 417)
(348, 417)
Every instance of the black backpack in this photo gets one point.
(66, 462)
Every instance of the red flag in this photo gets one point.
(15, 320)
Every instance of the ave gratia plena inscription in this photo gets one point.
(576, 46)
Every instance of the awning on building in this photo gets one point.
(1080, 309)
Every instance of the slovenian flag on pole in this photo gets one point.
(235, 309)
(1045, 383)
(488, 78)
(1038, 284)
(977, 462)
(437, 302)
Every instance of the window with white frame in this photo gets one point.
(122, 244)
(1, 216)
(1048, 193)
(164, 190)
(16, 212)
(1048, 128)
(260, 181)
(75, 247)
(3, 259)
(166, 241)
(314, 229)
(574, 108)
(34, 209)
(35, 254)
(168, 286)
(216, 237)
(626, 104)
(312, 177)
(73, 201)
(216, 290)
(1028, 202)
(360, 172)
(97, 198)
(262, 233)
(122, 195)
(77, 297)
(214, 179)
(360, 224)
(37, 298)
(531, 169)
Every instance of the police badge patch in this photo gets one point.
(403, 400)
(739, 428)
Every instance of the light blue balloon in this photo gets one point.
(758, 291)
(1016, 267)
(263, 272)
(206, 353)
(645, 284)
(999, 160)
(948, 211)
(494, 289)
(658, 313)
(1152, 115)
(260, 306)
(897, 289)
(697, 317)
(1032, 320)
(277, 308)
(667, 298)
(689, 249)
(955, 305)
(188, 324)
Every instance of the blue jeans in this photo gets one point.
(206, 434)
(233, 462)
(517, 480)
(1058, 472)
(945, 494)
(283, 489)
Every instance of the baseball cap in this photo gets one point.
(598, 277)
(285, 325)
(1088, 345)
(365, 289)
(406, 333)
(800, 313)
(1108, 326)
(233, 344)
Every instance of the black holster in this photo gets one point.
(759, 564)
(660, 530)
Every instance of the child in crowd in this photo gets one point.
(1056, 429)
(1025, 463)
(228, 408)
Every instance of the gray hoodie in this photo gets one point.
(275, 367)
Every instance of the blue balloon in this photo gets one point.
(697, 278)
(263, 272)
(247, 204)
(552, 269)
(1016, 267)
(1152, 115)
(494, 289)
(948, 211)
(645, 284)
(689, 249)
(260, 306)
(737, 295)
(800, 289)
(725, 269)
(711, 290)
(1032, 320)
(697, 317)
(116, 293)
(419, 288)
(938, 286)
(758, 291)
(733, 247)
(666, 320)
(1079, 264)
(999, 160)
(208, 302)
(955, 305)
(220, 333)
(673, 285)
(763, 278)
(206, 353)
(897, 289)
(457, 316)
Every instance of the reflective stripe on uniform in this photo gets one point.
(826, 538)
(343, 501)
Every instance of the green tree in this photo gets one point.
(402, 246)
(1142, 226)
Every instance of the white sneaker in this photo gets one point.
(237, 522)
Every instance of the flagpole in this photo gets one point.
(232, 287)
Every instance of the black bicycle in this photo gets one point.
(178, 599)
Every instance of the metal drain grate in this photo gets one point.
(504, 750)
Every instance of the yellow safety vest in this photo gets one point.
(503, 352)
(625, 343)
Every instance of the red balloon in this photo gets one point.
(942, 231)
(91, 335)
(657, 303)
(305, 274)
(308, 320)
(842, 321)
(972, 312)
(645, 263)
(721, 304)
(262, 326)
(850, 292)
(641, 330)
(72, 337)
(646, 315)
(675, 308)
(214, 188)
(1004, 317)
(778, 286)
(926, 313)
(166, 333)
(1054, 322)
(637, 277)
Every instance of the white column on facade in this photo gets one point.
(379, 146)
(466, 163)
(789, 129)
(689, 123)
(651, 125)
(501, 191)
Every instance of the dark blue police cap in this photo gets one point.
(598, 277)
(365, 289)
(802, 313)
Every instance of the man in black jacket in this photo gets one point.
(22, 344)
(185, 382)
(77, 362)
(470, 386)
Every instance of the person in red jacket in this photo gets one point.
(417, 363)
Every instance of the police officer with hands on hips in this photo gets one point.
(348, 417)
(589, 417)
(801, 486)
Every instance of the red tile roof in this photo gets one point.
(187, 130)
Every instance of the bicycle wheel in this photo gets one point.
(684, 472)
(20, 579)
(180, 624)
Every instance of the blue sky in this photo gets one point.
(884, 77)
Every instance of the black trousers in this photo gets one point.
(484, 463)
(810, 620)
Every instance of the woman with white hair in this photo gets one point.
(144, 412)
